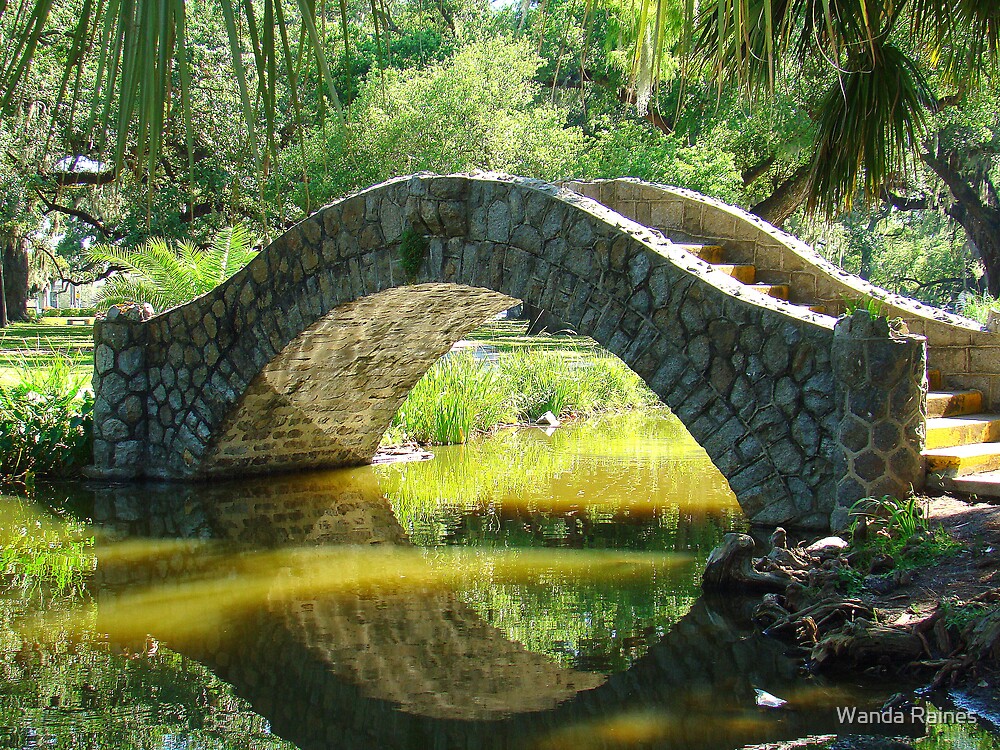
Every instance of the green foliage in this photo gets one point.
(125, 71)
(978, 306)
(412, 251)
(452, 401)
(69, 312)
(478, 110)
(876, 308)
(461, 395)
(899, 518)
(166, 276)
(630, 148)
(45, 421)
(898, 528)
(959, 614)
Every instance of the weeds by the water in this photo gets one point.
(894, 529)
(462, 395)
(45, 420)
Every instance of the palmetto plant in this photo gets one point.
(166, 276)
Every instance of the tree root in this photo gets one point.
(843, 633)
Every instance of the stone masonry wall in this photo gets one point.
(967, 355)
(751, 378)
(882, 403)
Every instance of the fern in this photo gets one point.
(166, 276)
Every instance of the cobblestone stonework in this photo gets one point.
(302, 358)
(967, 355)
(882, 403)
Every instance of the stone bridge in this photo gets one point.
(303, 358)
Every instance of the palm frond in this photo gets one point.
(138, 48)
(167, 276)
(231, 249)
(869, 127)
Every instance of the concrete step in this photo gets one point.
(953, 403)
(708, 253)
(962, 460)
(934, 380)
(742, 273)
(945, 432)
(986, 485)
(778, 291)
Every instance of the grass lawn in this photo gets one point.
(31, 344)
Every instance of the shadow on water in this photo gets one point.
(540, 595)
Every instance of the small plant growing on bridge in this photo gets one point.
(874, 307)
(412, 251)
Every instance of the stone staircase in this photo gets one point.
(963, 441)
(963, 436)
(745, 273)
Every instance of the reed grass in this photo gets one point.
(462, 396)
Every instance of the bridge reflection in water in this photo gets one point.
(308, 596)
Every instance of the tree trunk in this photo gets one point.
(15, 280)
(3, 300)
(983, 229)
(783, 202)
(979, 218)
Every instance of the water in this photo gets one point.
(532, 590)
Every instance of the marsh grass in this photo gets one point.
(461, 395)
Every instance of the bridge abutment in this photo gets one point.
(881, 408)
(121, 390)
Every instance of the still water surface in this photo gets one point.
(531, 590)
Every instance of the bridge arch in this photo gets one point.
(303, 357)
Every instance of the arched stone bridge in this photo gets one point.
(302, 358)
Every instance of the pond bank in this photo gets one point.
(897, 601)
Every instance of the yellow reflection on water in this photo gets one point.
(637, 463)
(640, 728)
(239, 584)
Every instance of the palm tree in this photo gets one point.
(167, 276)
(873, 116)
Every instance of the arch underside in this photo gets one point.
(312, 347)
(330, 394)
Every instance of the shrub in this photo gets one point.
(69, 312)
(45, 421)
